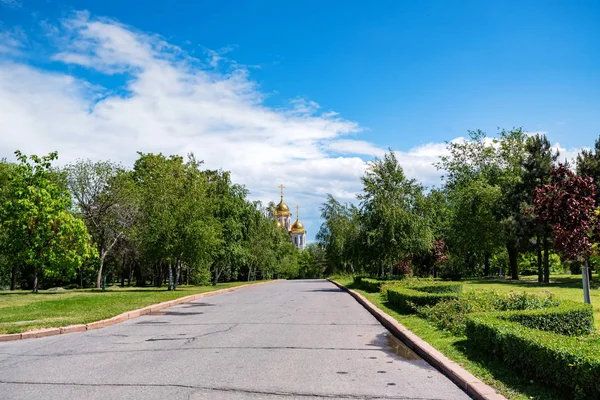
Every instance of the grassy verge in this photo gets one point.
(492, 372)
(22, 311)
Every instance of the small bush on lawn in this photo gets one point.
(569, 363)
(451, 315)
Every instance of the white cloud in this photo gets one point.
(11, 3)
(419, 162)
(566, 154)
(11, 41)
(171, 103)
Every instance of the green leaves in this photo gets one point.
(39, 231)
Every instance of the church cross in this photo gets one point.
(281, 187)
(297, 212)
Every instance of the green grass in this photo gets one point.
(22, 311)
(492, 372)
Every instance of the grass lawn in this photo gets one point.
(22, 311)
(492, 372)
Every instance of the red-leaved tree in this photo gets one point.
(568, 204)
(439, 251)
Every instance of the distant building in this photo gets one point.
(284, 220)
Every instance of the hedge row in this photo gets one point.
(368, 284)
(569, 318)
(373, 285)
(408, 300)
(569, 363)
(435, 287)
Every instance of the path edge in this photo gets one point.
(473, 386)
(121, 317)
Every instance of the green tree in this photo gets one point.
(497, 163)
(42, 235)
(588, 164)
(231, 210)
(106, 199)
(339, 235)
(393, 213)
(474, 231)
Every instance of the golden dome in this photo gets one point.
(282, 209)
(298, 227)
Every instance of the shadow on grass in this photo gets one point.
(507, 375)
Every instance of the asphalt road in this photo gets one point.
(283, 340)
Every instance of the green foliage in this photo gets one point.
(392, 214)
(339, 236)
(409, 298)
(311, 261)
(569, 318)
(40, 233)
(451, 315)
(434, 286)
(165, 220)
(569, 363)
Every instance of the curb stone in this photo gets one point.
(121, 317)
(473, 386)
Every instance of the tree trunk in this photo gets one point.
(513, 256)
(586, 283)
(99, 278)
(538, 248)
(130, 274)
(178, 263)
(546, 262)
(13, 277)
(486, 264)
(35, 280)
(170, 283)
(187, 276)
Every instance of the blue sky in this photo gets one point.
(402, 74)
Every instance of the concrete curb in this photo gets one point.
(121, 317)
(473, 386)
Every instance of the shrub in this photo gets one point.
(372, 285)
(567, 362)
(434, 287)
(451, 315)
(403, 268)
(569, 318)
(409, 300)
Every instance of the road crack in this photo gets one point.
(224, 389)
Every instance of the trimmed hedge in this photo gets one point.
(569, 318)
(569, 363)
(372, 285)
(410, 299)
(438, 287)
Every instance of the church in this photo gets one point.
(284, 221)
